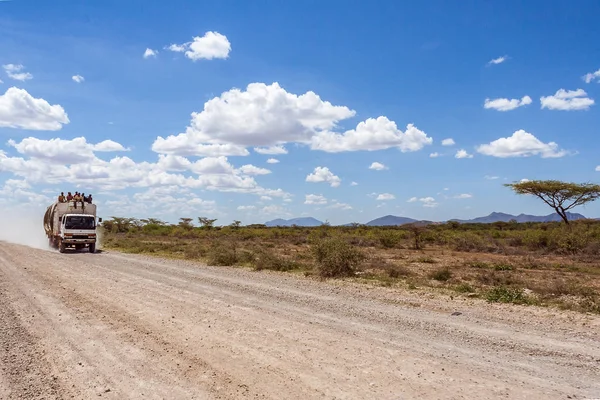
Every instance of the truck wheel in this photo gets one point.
(61, 247)
(92, 247)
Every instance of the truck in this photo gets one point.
(71, 225)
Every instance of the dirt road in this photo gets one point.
(125, 327)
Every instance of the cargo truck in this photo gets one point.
(71, 225)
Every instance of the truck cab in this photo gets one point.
(78, 231)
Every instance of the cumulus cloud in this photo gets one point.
(598, 168)
(425, 201)
(567, 100)
(448, 142)
(491, 177)
(462, 153)
(272, 161)
(370, 135)
(353, 184)
(498, 60)
(589, 77)
(463, 196)
(250, 169)
(61, 151)
(315, 199)
(150, 53)
(271, 150)
(263, 115)
(386, 196)
(211, 45)
(18, 109)
(377, 166)
(267, 117)
(503, 104)
(246, 208)
(323, 174)
(58, 161)
(521, 144)
(434, 155)
(14, 71)
(78, 78)
(341, 206)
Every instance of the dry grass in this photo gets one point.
(520, 266)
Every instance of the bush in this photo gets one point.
(464, 288)
(503, 294)
(390, 239)
(222, 255)
(336, 258)
(267, 260)
(442, 274)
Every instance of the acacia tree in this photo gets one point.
(561, 196)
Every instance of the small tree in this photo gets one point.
(206, 222)
(236, 224)
(186, 223)
(561, 196)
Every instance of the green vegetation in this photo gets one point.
(530, 263)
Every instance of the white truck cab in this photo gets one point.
(71, 225)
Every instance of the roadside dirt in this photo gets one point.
(120, 326)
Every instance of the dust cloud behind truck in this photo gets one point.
(71, 225)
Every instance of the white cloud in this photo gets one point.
(498, 60)
(266, 198)
(370, 135)
(211, 45)
(524, 180)
(434, 155)
(341, 206)
(323, 174)
(272, 150)
(315, 199)
(521, 144)
(463, 196)
(250, 169)
(61, 151)
(150, 53)
(428, 202)
(567, 100)
(589, 77)
(448, 142)
(412, 200)
(598, 168)
(18, 109)
(272, 161)
(263, 115)
(503, 104)
(377, 166)
(14, 72)
(353, 184)
(463, 154)
(386, 196)
(246, 208)
(490, 177)
(78, 78)
(73, 161)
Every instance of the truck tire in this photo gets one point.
(61, 247)
(92, 247)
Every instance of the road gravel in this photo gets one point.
(116, 326)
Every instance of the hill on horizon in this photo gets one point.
(394, 220)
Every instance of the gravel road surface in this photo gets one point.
(118, 326)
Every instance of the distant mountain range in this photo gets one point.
(502, 217)
(393, 220)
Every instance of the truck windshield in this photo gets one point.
(80, 222)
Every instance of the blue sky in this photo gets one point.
(338, 85)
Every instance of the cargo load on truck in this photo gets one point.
(71, 224)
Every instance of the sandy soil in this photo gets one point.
(119, 326)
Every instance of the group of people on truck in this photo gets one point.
(77, 197)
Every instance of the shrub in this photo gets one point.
(336, 258)
(267, 260)
(389, 239)
(503, 294)
(464, 288)
(397, 271)
(442, 274)
(222, 255)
